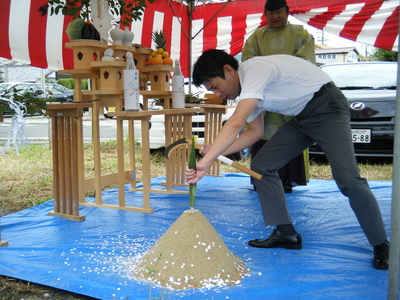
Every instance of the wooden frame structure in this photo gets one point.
(70, 184)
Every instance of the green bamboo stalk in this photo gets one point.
(192, 165)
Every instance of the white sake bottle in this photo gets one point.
(178, 91)
(131, 84)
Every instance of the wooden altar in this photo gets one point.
(70, 184)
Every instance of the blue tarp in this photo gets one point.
(95, 257)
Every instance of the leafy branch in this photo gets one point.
(126, 10)
(32, 103)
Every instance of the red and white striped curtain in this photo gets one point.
(372, 22)
(29, 37)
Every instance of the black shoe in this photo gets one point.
(277, 239)
(288, 189)
(381, 256)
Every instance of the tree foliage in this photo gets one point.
(32, 103)
(127, 10)
(383, 55)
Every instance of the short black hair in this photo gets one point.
(211, 64)
(271, 5)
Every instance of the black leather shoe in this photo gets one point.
(288, 189)
(277, 239)
(381, 256)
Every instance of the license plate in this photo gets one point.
(361, 135)
(111, 109)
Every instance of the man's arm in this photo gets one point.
(227, 138)
(251, 135)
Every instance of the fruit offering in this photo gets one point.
(159, 56)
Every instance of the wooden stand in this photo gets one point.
(70, 184)
(212, 125)
(166, 95)
(159, 77)
(177, 125)
(178, 121)
(67, 152)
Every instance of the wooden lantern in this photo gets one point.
(140, 56)
(86, 52)
(159, 77)
(111, 74)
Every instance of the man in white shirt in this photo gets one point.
(293, 87)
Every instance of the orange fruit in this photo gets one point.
(168, 61)
(149, 61)
(154, 54)
(160, 50)
(165, 54)
(157, 60)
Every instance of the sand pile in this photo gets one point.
(190, 254)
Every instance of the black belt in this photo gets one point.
(321, 90)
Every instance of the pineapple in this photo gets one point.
(160, 55)
(159, 39)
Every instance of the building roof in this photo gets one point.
(332, 50)
(8, 62)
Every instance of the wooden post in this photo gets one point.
(96, 152)
(132, 151)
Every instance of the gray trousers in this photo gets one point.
(325, 120)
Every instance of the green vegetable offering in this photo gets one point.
(192, 165)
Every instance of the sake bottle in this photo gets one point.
(178, 91)
(131, 84)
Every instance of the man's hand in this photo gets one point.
(192, 176)
(204, 149)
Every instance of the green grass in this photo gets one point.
(27, 177)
